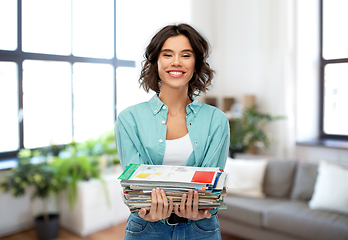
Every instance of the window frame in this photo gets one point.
(18, 56)
(323, 63)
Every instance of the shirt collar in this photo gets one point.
(156, 105)
(195, 106)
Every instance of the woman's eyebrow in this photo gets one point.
(188, 50)
(170, 50)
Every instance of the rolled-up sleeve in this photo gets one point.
(219, 142)
(127, 150)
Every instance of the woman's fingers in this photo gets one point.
(189, 201)
(161, 207)
(142, 213)
(207, 214)
(170, 207)
(166, 205)
(153, 201)
(195, 203)
(165, 199)
(160, 201)
(182, 204)
(176, 210)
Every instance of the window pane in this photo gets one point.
(8, 24)
(47, 26)
(335, 34)
(93, 28)
(9, 136)
(128, 91)
(93, 100)
(46, 103)
(336, 99)
(134, 33)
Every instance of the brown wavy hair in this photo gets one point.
(203, 74)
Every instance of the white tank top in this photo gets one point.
(177, 151)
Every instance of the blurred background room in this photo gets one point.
(67, 67)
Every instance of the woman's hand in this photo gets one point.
(191, 210)
(160, 209)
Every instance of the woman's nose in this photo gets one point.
(176, 61)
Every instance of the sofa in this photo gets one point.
(292, 202)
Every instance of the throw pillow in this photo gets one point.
(331, 189)
(245, 177)
(306, 175)
(279, 177)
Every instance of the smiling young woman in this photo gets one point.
(173, 128)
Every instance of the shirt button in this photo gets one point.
(196, 142)
(164, 107)
(190, 124)
(160, 140)
(163, 122)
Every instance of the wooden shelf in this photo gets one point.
(225, 103)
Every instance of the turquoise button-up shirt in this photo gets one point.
(141, 130)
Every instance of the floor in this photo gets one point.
(113, 233)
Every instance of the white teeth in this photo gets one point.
(176, 73)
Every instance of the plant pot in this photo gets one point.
(232, 153)
(47, 230)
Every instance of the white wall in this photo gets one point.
(269, 48)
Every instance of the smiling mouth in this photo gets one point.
(175, 73)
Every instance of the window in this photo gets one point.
(57, 72)
(58, 75)
(334, 69)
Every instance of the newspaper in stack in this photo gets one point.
(138, 180)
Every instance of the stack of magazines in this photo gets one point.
(138, 180)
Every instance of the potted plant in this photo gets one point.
(102, 149)
(73, 169)
(79, 165)
(247, 131)
(42, 178)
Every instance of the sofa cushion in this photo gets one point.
(305, 177)
(245, 177)
(279, 177)
(297, 219)
(331, 190)
(247, 210)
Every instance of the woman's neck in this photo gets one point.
(175, 100)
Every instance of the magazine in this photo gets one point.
(138, 180)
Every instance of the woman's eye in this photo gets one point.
(167, 55)
(186, 56)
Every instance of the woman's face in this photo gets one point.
(176, 63)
